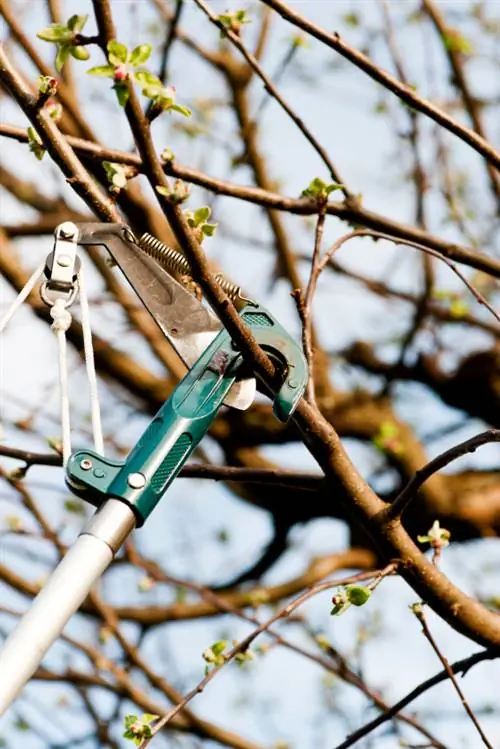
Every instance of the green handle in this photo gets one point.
(185, 418)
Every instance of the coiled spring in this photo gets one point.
(174, 262)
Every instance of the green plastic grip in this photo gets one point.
(185, 418)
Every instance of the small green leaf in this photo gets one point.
(455, 42)
(334, 186)
(358, 595)
(459, 308)
(122, 93)
(76, 23)
(319, 190)
(75, 506)
(152, 92)
(351, 19)
(146, 78)
(35, 144)
(209, 229)
(56, 32)
(167, 155)
(149, 717)
(201, 215)
(79, 52)
(219, 647)
(117, 53)
(140, 54)
(182, 110)
(117, 174)
(163, 190)
(63, 52)
(47, 84)
(104, 71)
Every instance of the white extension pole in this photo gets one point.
(61, 596)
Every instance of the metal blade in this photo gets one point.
(186, 322)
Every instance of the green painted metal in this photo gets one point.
(178, 427)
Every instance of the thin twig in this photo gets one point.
(304, 303)
(379, 235)
(462, 666)
(244, 644)
(405, 93)
(404, 498)
(273, 91)
(169, 40)
(419, 613)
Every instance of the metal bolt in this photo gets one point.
(85, 464)
(67, 230)
(64, 261)
(292, 384)
(136, 480)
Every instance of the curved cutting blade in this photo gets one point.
(186, 322)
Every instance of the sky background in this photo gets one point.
(338, 103)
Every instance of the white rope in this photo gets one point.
(22, 296)
(62, 321)
(90, 365)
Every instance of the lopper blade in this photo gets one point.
(189, 325)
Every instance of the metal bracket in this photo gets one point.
(62, 266)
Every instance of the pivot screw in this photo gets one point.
(85, 464)
(136, 480)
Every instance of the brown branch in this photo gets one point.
(268, 199)
(404, 498)
(59, 149)
(461, 611)
(456, 61)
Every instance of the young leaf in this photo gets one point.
(79, 52)
(146, 78)
(358, 594)
(56, 32)
(182, 110)
(153, 92)
(35, 144)
(117, 53)
(140, 54)
(122, 93)
(104, 71)
(63, 52)
(209, 229)
(201, 215)
(76, 23)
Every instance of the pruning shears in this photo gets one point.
(125, 493)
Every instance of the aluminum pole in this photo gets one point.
(61, 596)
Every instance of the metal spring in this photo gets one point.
(173, 261)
